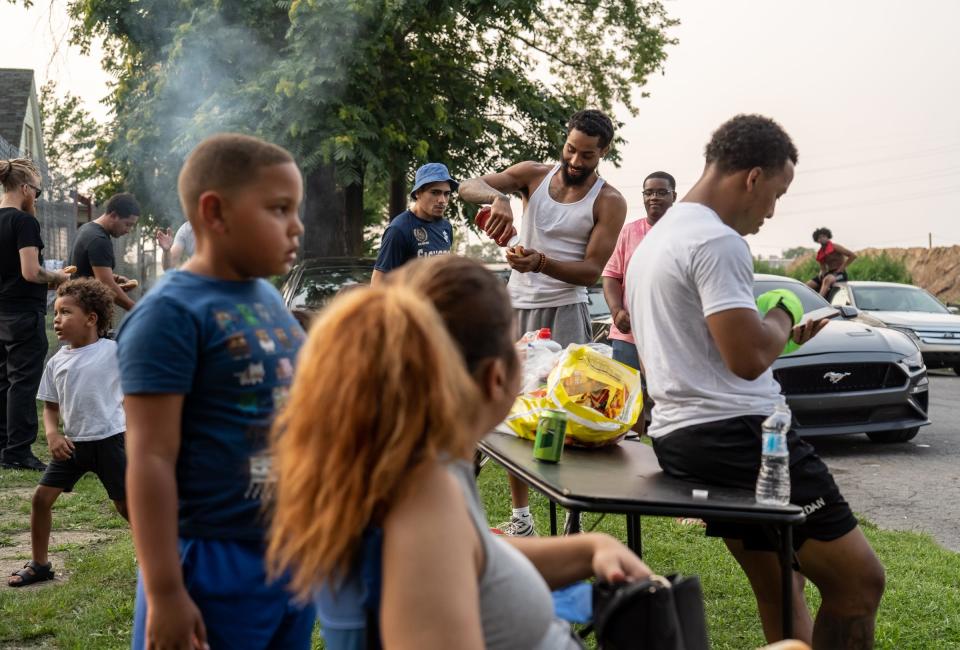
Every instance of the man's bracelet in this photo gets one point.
(542, 264)
(785, 310)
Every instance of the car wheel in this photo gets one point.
(901, 435)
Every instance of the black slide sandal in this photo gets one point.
(32, 573)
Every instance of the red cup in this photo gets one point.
(483, 216)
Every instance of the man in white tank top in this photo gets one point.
(571, 220)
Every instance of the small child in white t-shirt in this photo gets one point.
(81, 385)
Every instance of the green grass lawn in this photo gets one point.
(93, 607)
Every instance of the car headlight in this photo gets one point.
(909, 332)
(914, 362)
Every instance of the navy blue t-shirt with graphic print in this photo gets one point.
(229, 348)
(408, 236)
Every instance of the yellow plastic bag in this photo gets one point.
(602, 399)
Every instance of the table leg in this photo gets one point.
(553, 519)
(786, 580)
(572, 526)
(634, 537)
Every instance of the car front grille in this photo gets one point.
(849, 377)
(939, 337)
(847, 417)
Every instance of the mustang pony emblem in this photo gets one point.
(835, 377)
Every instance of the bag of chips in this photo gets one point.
(602, 399)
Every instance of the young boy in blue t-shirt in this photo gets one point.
(205, 360)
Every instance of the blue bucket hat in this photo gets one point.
(433, 173)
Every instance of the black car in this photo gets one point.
(852, 377)
(312, 283)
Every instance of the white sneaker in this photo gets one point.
(518, 527)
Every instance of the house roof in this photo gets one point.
(15, 88)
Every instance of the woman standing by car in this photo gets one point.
(23, 305)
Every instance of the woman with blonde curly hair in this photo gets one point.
(23, 306)
(395, 387)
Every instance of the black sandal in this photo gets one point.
(32, 573)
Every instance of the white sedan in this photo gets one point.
(934, 327)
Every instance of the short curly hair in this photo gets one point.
(594, 123)
(822, 231)
(748, 141)
(93, 297)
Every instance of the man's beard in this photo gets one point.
(29, 209)
(574, 180)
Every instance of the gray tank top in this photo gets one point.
(561, 232)
(516, 608)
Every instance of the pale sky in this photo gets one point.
(866, 90)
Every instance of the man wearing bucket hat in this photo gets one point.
(420, 231)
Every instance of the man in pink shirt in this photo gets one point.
(659, 193)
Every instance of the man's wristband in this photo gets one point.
(782, 307)
(790, 304)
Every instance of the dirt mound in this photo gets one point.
(935, 269)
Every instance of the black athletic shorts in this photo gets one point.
(841, 276)
(106, 458)
(727, 453)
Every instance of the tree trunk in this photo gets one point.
(398, 193)
(332, 216)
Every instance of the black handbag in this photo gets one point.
(653, 614)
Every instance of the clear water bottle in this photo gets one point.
(773, 483)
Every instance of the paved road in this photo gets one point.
(907, 486)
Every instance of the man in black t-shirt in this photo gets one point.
(23, 304)
(93, 250)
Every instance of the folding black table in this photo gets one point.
(626, 479)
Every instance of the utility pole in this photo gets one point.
(929, 240)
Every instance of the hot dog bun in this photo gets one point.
(69, 270)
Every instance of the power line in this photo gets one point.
(949, 171)
(937, 151)
(866, 204)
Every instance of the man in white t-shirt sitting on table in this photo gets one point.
(707, 353)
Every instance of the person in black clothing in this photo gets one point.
(23, 305)
(93, 251)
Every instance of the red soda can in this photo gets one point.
(483, 216)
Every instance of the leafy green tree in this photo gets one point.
(796, 251)
(70, 137)
(804, 270)
(764, 266)
(364, 91)
(879, 268)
